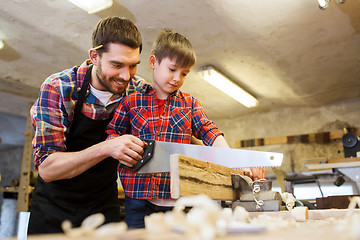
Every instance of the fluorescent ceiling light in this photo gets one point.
(221, 82)
(92, 6)
(323, 4)
(2, 44)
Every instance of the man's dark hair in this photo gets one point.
(115, 30)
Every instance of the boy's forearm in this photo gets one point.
(220, 142)
(254, 173)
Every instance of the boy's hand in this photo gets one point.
(258, 173)
(254, 173)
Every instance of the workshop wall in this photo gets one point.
(10, 164)
(295, 121)
(10, 160)
(291, 121)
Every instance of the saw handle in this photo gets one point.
(148, 153)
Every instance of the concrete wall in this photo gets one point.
(10, 162)
(291, 121)
(295, 121)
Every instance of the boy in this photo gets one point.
(161, 112)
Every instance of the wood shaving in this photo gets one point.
(289, 200)
(206, 219)
(90, 227)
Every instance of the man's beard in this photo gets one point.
(106, 84)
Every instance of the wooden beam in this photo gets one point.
(24, 185)
(190, 176)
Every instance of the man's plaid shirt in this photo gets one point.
(138, 114)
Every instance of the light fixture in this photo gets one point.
(92, 6)
(218, 80)
(2, 44)
(323, 4)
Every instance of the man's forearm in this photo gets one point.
(66, 165)
(127, 149)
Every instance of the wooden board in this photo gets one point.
(336, 163)
(190, 176)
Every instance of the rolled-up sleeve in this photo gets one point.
(203, 127)
(50, 121)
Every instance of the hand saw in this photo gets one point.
(156, 156)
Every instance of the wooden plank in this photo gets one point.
(259, 142)
(311, 161)
(275, 140)
(24, 185)
(331, 202)
(9, 189)
(357, 131)
(336, 134)
(309, 138)
(190, 176)
(333, 165)
(322, 138)
(338, 160)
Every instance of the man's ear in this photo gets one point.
(93, 56)
(152, 61)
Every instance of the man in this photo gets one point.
(77, 168)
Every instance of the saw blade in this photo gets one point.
(157, 156)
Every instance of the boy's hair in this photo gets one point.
(115, 30)
(174, 46)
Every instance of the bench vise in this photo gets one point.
(255, 196)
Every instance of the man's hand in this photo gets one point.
(127, 149)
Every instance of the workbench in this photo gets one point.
(322, 224)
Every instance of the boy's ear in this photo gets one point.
(93, 56)
(152, 60)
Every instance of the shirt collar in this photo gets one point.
(148, 89)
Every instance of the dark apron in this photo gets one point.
(94, 191)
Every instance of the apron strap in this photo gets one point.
(84, 88)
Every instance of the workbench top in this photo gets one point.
(305, 231)
(322, 224)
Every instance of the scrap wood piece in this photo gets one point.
(190, 176)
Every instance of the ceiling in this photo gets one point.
(285, 53)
